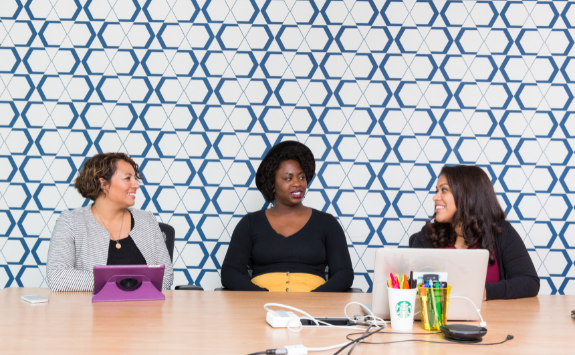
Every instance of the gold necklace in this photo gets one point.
(118, 246)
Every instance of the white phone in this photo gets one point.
(34, 299)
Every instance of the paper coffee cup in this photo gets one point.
(401, 307)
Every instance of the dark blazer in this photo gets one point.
(518, 275)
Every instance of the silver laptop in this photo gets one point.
(466, 271)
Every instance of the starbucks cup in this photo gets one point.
(401, 307)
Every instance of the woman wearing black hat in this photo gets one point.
(289, 245)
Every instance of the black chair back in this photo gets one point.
(169, 238)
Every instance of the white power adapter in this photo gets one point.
(282, 319)
(296, 349)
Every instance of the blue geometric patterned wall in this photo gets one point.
(384, 93)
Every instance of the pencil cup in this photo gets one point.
(401, 307)
(434, 304)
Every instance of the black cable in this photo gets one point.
(273, 351)
(367, 334)
(394, 333)
(279, 351)
(509, 337)
(357, 342)
(267, 352)
(362, 324)
(358, 339)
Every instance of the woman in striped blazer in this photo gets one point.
(108, 231)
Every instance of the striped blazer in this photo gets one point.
(79, 243)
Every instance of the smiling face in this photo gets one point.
(444, 201)
(290, 184)
(122, 186)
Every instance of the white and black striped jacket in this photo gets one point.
(79, 243)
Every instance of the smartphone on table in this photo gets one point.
(34, 299)
(333, 321)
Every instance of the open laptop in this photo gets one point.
(466, 271)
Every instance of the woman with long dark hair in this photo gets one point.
(468, 216)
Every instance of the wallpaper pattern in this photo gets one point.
(384, 93)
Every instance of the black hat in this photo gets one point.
(275, 151)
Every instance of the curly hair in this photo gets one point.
(266, 175)
(478, 211)
(100, 166)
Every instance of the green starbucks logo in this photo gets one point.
(403, 309)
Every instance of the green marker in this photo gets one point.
(438, 299)
(434, 318)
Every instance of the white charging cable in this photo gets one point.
(318, 323)
(329, 347)
(300, 349)
(373, 319)
(483, 323)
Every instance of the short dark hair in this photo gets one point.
(266, 175)
(478, 211)
(100, 166)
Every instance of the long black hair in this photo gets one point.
(478, 211)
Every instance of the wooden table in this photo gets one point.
(207, 322)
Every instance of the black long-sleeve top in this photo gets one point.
(320, 243)
(518, 277)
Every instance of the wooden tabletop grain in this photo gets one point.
(211, 322)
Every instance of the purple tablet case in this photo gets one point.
(107, 287)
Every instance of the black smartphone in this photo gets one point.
(431, 277)
(333, 321)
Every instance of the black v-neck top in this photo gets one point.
(320, 243)
(128, 254)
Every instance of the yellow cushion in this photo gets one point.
(288, 282)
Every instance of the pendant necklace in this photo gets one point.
(118, 246)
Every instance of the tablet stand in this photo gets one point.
(113, 291)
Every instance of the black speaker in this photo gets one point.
(463, 333)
